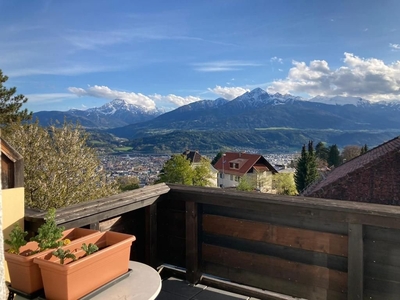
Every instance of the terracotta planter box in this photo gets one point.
(25, 275)
(75, 279)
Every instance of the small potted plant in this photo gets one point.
(67, 254)
(65, 278)
(24, 274)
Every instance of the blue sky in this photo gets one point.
(81, 54)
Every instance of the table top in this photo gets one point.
(143, 283)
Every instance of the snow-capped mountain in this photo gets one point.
(116, 113)
(119, 106)
(256, 108)
(340, 100)
(259, 109)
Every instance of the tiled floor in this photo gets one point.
(177, 289)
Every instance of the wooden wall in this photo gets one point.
(171, 232)
(275, 252)
(381, 263)
(303, 247)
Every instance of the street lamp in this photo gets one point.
(223, 169)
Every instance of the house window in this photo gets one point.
(221, 175)
(234, 165)
(231, 177)
(237, 178)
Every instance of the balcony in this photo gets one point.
(257, 245)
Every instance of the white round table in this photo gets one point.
(143, 283)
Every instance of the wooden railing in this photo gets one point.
(303, 247)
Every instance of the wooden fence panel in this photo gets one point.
(381, 263)
(269, 233)
(171, 232)
(290, 260)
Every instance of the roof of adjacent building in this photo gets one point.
(245, 162)
(193, 156)
(369, 158)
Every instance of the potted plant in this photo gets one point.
(66, 278)
(24, 274)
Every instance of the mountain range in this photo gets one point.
(116, 113)
(256, 120)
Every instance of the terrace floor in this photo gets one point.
(178, 289)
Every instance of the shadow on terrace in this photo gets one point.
(260, 245)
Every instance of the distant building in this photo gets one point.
(232, 166)
(373, 177)
(195, 160)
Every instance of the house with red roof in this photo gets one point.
(233, 166)
(373, 177)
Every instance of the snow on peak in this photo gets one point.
(257, 92)
(340, 100)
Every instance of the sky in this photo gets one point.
(79, 54)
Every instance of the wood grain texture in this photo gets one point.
(287, 236)
(273, 284)
(277, 268)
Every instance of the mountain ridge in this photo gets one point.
(251, 120)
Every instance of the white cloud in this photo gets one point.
(228, 93)
(48, 98)
(67, 70)
(370, 78)
(174, 99)
(105, 92)
(145, 101)
(221, 66)
(394, 47)
(276, 59)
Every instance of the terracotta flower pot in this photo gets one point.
(24, 274)
(74, 279)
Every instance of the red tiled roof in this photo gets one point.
(367, 159)
(246, 161)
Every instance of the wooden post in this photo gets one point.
(151, 235)
(355, 262)
(192, 254)
(95, 226)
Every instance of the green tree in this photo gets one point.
(127, 183)
(177, 170)
(321, 151)
(334, 156)
(246, 184)
(10, 105)
(306, 170)
(202, 174)
(59, 168)
(284, 184)
(364, 149)
(216, 158)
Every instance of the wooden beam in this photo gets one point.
(315, 208)
(355, 262)
(192, 249)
